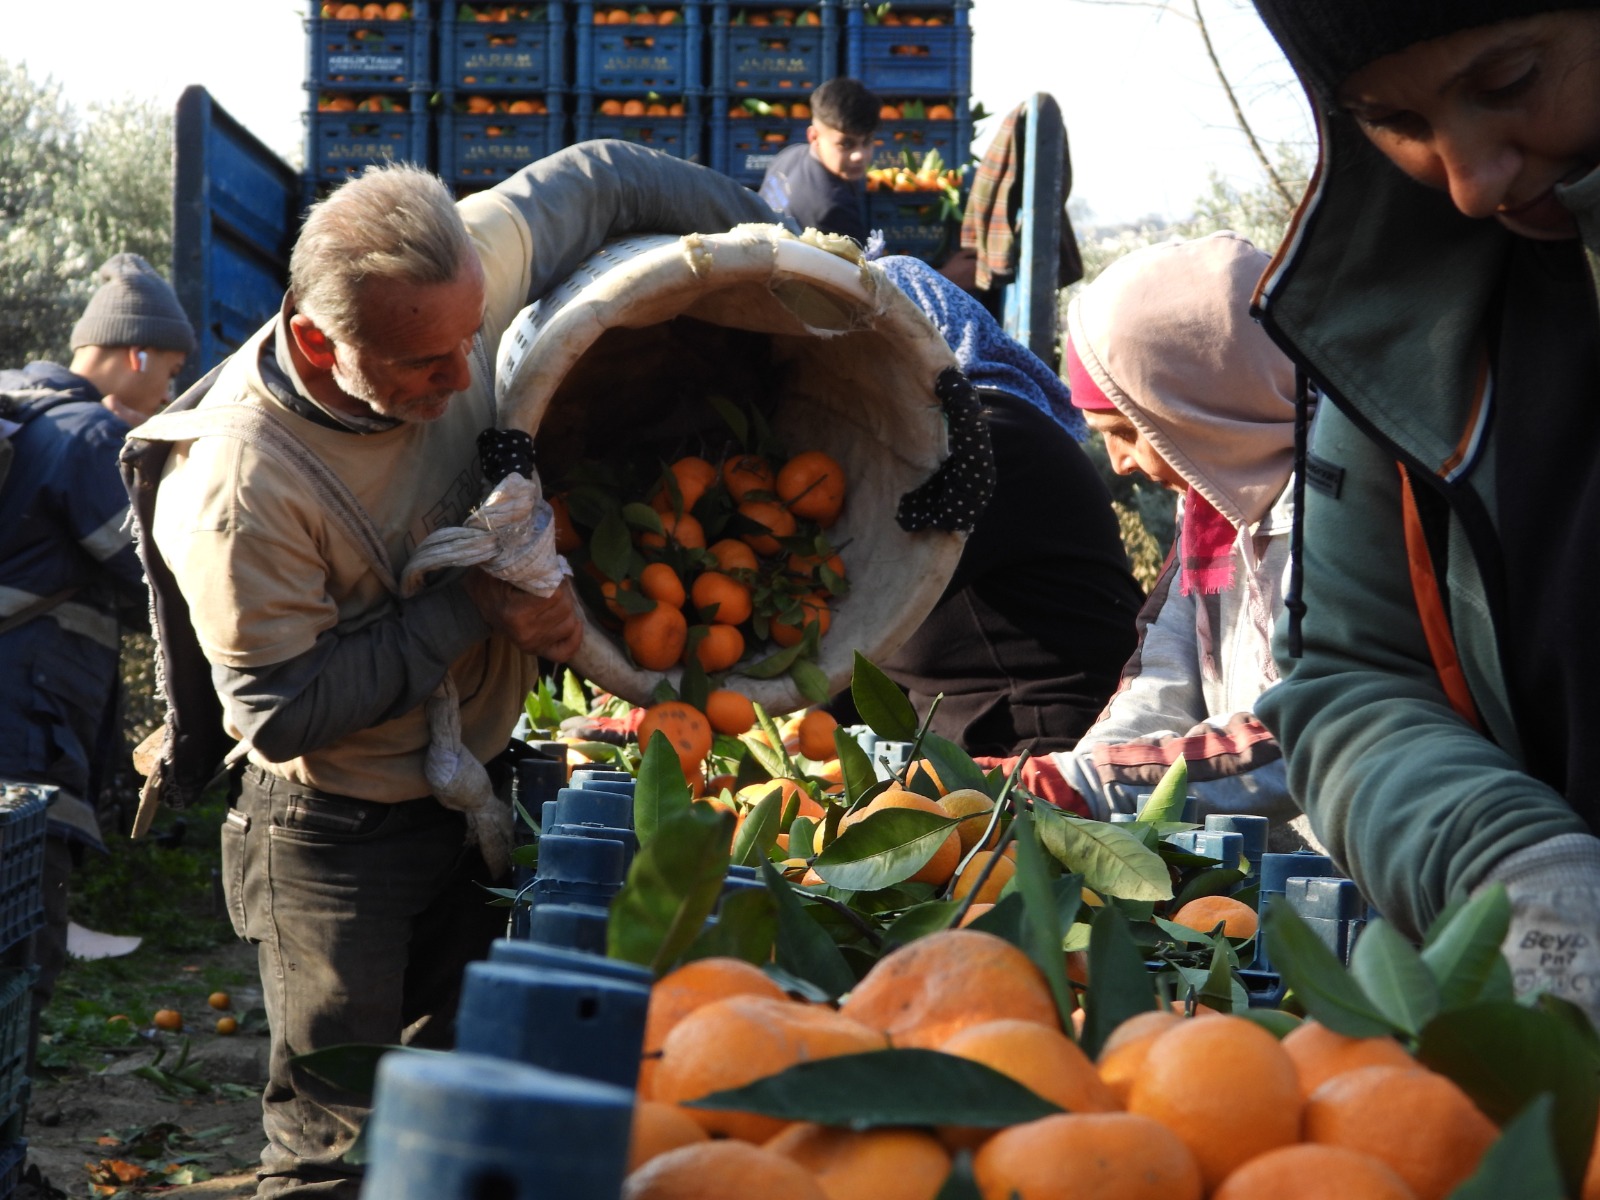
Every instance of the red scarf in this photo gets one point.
(1206, 548)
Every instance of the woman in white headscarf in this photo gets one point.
(1167, 365)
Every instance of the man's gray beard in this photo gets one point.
(356, 385)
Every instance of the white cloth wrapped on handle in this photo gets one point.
(512, 536)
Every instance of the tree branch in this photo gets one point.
(1238, 112)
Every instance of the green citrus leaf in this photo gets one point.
(1167, 801)
(1111, 860)
(1462, 949)
(888, 1088)
(746, 927)
(660, 790)
(1319, 980)
(1121, 987)
(758, 832)
(1392, 973)
(672, 887)
(804, 948)
(1505, 1055)
(884, 848)
(881, 703)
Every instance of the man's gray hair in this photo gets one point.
(395, 221)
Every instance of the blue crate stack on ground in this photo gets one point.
(368, 83)
(923, 72)
(22, 834)
(762, 65)
(502, 99)
(644, 81)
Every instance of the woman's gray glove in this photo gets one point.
(1554, 942)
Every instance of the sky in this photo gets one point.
(1148, 122)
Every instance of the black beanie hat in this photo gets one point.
(133, 306)
(1327, 41)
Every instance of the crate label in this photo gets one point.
(357, 151)
(500, 148)
(638, 62)
(772, 64)
(381, 64)
(758, 162)
(517, 60)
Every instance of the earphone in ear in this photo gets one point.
(144, 360)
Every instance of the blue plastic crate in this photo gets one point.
(13, 1157)
(912, 223)
(525, 55)
(371, 54)
(22, 833)
(16, 1013)
(339, 144)
(480, 149)
(952, 139)
(681, 137)
(638, 59)
(744, 147)
(928, 60)
(766, 59)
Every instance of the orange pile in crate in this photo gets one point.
(515, 105)
(916, 110)
(1172, 1107)
(380, 102)
(486, 14)
(778, 17)
(635, 107)
(909, 19)
(751, 108)
(638, 16)
(766, 573)
(394, 11)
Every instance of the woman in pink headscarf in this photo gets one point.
(1168, 366)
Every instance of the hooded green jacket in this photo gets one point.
(1382, 293)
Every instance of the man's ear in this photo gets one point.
(812, 134)
(312, 343)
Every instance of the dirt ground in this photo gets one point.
(81, 1124)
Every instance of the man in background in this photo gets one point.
(69, 579)
(820, 183)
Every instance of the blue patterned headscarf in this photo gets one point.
(988, 355)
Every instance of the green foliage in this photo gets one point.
(73, 191)
(888, 1088)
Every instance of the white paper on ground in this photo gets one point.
(89, 944)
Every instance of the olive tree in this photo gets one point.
(74, 190)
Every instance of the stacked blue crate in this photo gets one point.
(767, 57)
(641, 80)
(368, 83)
(502, 80)
(917, 57)
(22, 835)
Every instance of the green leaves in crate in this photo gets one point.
(746, 927)
(1521, 1163)
(1112, 861)
(758, 833)
(804, 948)
(660, 792)
(881, 703)
(1166, 802)
(672, 887)
(888, 1088)
(884, 848)
(1043, 931)
(1505, 1055)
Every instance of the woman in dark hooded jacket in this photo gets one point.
(1436, 289)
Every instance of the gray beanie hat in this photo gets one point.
(133, 306)
(1327, 41)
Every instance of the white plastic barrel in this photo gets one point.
(628, 346)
